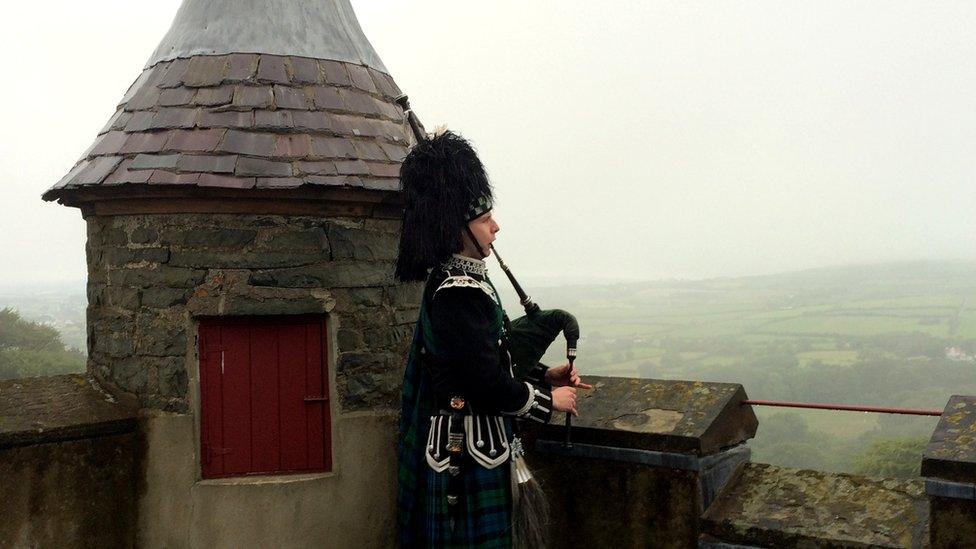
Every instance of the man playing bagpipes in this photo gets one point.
(462, 481)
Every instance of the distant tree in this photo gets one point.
(30, 349)
(893, 458)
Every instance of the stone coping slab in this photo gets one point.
(769, 506)
(951, 452)
(49, 409)
(687, 417)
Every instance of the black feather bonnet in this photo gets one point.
(444, 187)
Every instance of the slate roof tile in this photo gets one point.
(305, 70)
(145, 98)
(383, 84)
(210, 97)
(328, 180)
(358, 102)
(174, 97)
(278, 182)
(145, 78)
(335, 73)
(395, 153)
(206, 163)
(292, 146)
(173, 76)
(315, 121)
(150, 161)
(360, 78)
(174, 117)
(273, 120)
(382, 169)
(140, 121)
(144, 142)
(96, 170)
(117, 122)
(332, 147)
(317, 168)
(351, 167)
(369, 150)
(205, 70)
(195, 140)
(253, 97)
(226, 119)
(241, 67)
(382, 184)
(163, 177)
(123, 174)
(249, 143)
(271, 68)
(109, 143)
(226, 181)
(326, 97)
(290, 98)
(248, 166)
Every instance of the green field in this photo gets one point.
(876, 335)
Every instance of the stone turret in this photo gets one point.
(243, 215)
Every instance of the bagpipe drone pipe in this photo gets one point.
(530, 335)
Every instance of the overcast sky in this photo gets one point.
(625, 139)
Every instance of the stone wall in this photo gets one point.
(151, 276)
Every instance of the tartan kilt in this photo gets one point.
(484, 519)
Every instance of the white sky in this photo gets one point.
(625, 139)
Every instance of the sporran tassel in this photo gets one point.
(530, 510)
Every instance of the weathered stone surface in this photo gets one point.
(49, 409)
(143, 235)
(639, 413)
(227, 265)
(218, 238)
(356, 243)
(952, 523)
(78, 492)
(771, 506)
(121, 256)
(170, 277)
(164, 297)
(951, 453)
(335, 274)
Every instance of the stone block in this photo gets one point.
(121, 256)
(349, 340)
(169, 277)
(218, 238)
(310, 240)
(157, 338)
(143, 235)
(133, 375)
(161, 298)
(336, 274)
(208, 259)
(355, 243)
(172, 377)
(121, 297)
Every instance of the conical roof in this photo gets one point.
(242, 94)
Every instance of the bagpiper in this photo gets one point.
(457, 454)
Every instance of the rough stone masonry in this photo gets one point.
(151, 275)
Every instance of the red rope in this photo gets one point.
(819, 406)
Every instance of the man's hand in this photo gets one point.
(565, 376)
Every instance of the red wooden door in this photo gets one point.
(264, 396)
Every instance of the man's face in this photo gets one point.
(484, 228)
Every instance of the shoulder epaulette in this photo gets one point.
(465, 281)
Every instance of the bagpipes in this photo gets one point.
(531, 334)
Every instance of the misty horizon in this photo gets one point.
(649, 141)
